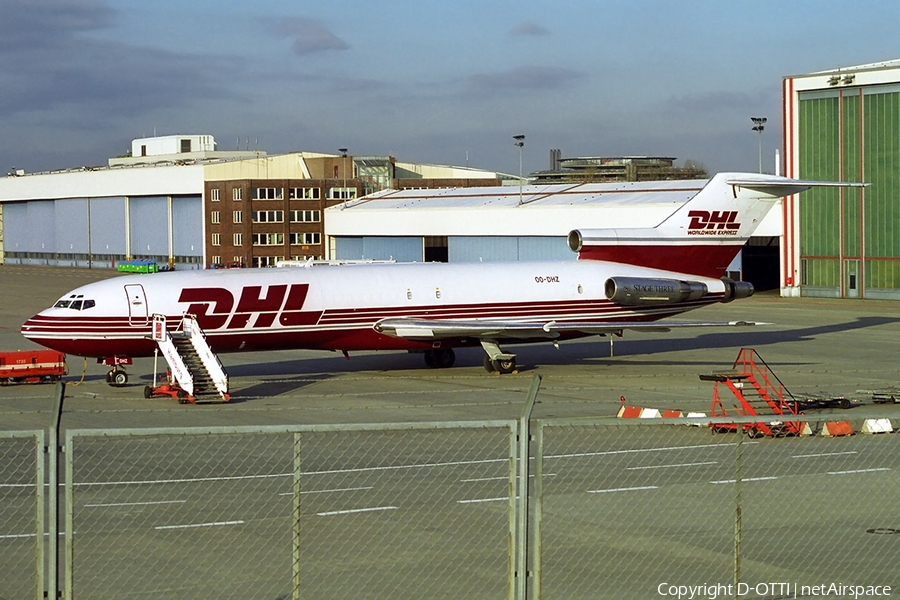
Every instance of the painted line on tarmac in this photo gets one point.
(502, 478)
(712, 462)
(637, 450)
(194, 525)
(627, 489)
(351, 489)
(136, 503)
(355, 510)
(480, 500)
(824, 454)
(858, 471)
(743, 480)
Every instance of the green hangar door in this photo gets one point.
(850, 238)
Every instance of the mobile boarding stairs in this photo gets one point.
(758, 391)
(195, 373)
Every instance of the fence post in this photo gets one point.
(538, 509)
(522, 512)
(295, 568)
(738, 468)
(53, 494)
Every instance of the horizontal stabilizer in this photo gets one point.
(780, 187)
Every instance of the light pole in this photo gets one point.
(759, 123)
(343, 152)
(520, 141)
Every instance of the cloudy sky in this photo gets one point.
(443, 82)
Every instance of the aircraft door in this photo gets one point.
(138, 313)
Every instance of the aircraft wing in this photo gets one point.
(431, 329)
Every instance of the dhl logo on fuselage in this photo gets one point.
(717, 222)
(215, 307)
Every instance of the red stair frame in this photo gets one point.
(749, 367)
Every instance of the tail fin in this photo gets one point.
(702, 236)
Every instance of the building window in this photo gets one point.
(268, 216)
(186, 145)
(268, 239)
(217, 260)
(238, 261)
(267, 194)
(215, 194)
(238, 217)
(237, 194)
(238, 239)
(143, 149)
(341, 193)
(304, 193)
(266, 261)
(216, 239)
(306, 238)
(306, 257)
(306, 216)
(214, 216)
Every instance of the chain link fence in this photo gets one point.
(21, 514)
(389, 511)
(617, 508)
(639, 509)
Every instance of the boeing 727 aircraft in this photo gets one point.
(624, 279)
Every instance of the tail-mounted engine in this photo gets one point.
(735, 290)
(640, 291)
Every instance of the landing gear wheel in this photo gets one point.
(488, 364)
(119, 378)
(109, 376)
(440, 358)
(505, 366)
(444, 358)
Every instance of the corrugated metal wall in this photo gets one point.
(55, 232)
(149, 216)
(507, 249)
(400, 249)
(459, 248)
(850, 239)
(187, 227)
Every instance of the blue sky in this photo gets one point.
(424, 81)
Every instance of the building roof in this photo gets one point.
(544, 209)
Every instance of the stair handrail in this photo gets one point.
(765, 373)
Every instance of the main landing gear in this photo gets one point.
(496, 360)
(502, 366)
(440, 358)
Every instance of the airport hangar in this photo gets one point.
(843, 124)
(179, 201)
(502, 224)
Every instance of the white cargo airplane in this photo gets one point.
(625, 279)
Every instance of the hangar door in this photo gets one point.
(507, 248)
(400, 249)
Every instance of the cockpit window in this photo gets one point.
(75, 303)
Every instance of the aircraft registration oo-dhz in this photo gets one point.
(624, 279)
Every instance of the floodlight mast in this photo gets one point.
(759, 124)
(520, 141)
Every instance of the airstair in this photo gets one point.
(757, 391)
(197, 373)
